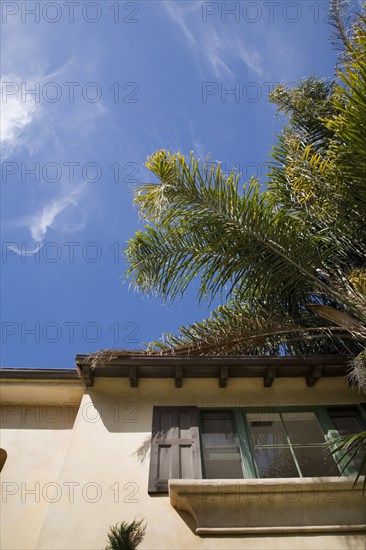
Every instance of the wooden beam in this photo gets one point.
(314, 374)
(269, 376)
(132, 372)
(178, 375)
(223, 377)
(87, 375)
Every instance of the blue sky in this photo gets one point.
(89, 89)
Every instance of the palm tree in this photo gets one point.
(289, 257)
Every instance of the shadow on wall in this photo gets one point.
(122, 415)
(143, 451)
(38, 416)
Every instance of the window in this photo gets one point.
(347, 422)
(192, 443)
(289, 444)
(220, 445)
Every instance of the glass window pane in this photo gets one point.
(275, 462)
(266, 429)
(221, 451)
(358, 458)
(303, 427)
(223, 463)
(218, 428)
(315, 461)
(346, 422)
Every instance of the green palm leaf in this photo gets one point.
(349, 447)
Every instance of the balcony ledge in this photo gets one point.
(263, 506)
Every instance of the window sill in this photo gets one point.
(226, 506)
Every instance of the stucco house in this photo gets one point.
(214, 452)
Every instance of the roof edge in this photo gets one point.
(178, 368)
(39, 374)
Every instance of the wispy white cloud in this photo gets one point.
(248, 55)
(19, 107)
(23, 68)
(197, 142)
(51, 216)
(217, 52)
(63, 214)
(48, 131)
(17, 113)
(217, 47)
(178, 14)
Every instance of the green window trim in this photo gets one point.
(323, 415)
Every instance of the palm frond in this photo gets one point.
(357, 375)
(126, 535)
(349, 121)
(350, 447)
(233, 242)
(237, 329)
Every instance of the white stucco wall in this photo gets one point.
(98, 466)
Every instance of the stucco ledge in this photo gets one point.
(303, 505)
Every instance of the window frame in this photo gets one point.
(247, 455)
(201, 432)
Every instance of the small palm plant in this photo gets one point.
(126, 535)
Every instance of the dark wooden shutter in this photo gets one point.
(175, 447)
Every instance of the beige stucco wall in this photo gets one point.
(98, 466)
(36, 426)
